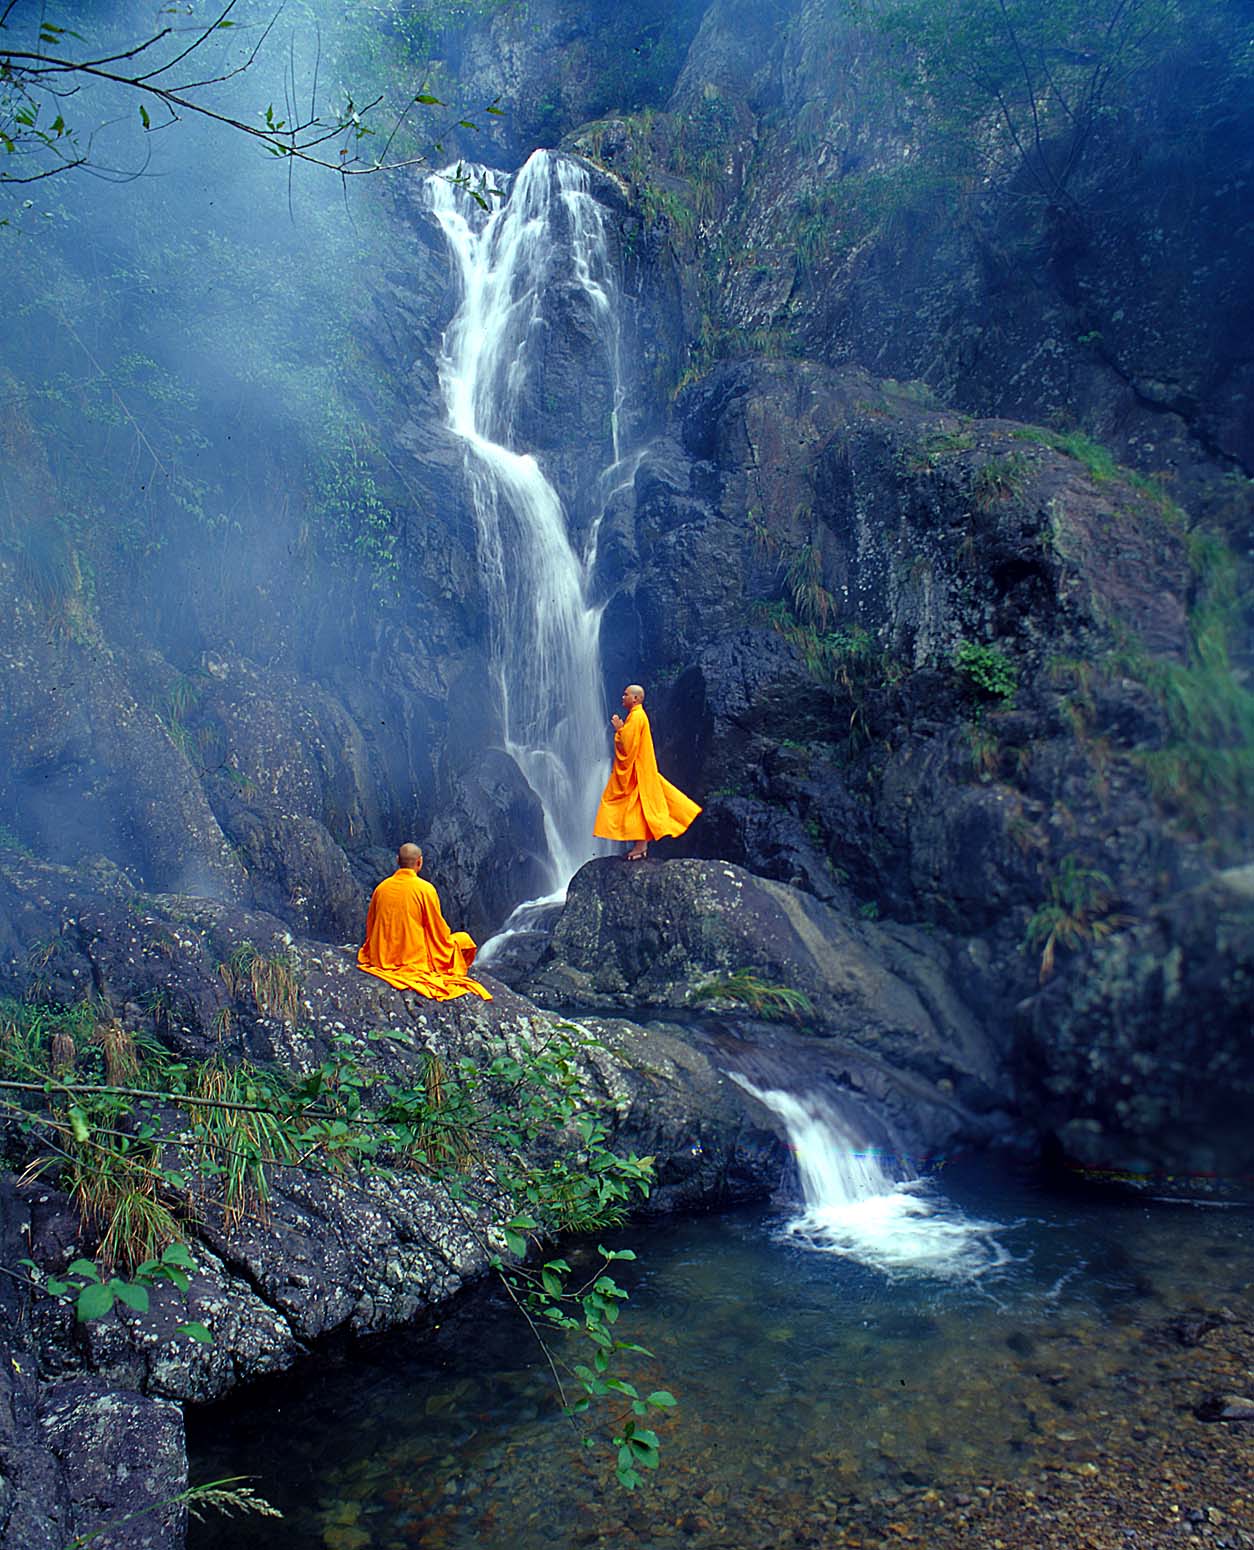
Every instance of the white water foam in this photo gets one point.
(547, 238)
(870, 1208)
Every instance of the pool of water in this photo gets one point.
(806, 1379)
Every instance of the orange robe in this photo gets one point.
(409, 945)
(637, 804)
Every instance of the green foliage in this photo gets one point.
(761, 997)
(349, 509)
(1091, 455)
(92, 1296)
(987, 670)
(1074, 913)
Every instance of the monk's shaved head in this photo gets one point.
(409, 855)
(636, 691)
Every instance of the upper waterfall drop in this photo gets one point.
(546, 239)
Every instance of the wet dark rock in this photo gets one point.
(121, 1454)
(488, 846)
(1226, 1407)
(1141, 1051)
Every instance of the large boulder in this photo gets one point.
(659, 938)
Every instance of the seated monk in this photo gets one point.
(638, 805)
(408, 943)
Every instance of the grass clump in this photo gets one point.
(273, 979)
(1091, 455)
(1000, 479)
(1075, 912)
(763, 999)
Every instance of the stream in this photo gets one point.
(899, 1335)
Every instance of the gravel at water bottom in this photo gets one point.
(819, 1408)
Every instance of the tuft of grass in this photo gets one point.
(1091, 455)
(1075, 913)
(763, 999)
(235, 1146)
(1000, 479)
(443, 1136)
(984, 749)
(274, 980)
(812, 603)
(1206, 767)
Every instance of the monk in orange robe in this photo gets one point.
(637, 804)
(408, 943)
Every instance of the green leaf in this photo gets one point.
(195, 1331)
(495, 112)
(178, 1254)
(56, 1288)
(551, 1282)
(94, 1301)
(83, 1267)
(133, 1296)
(517, 1243)
(78, 1124)
(663, 1398)
(427, 98)
(143, 115)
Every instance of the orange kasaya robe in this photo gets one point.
(637, 803)
(409, 945)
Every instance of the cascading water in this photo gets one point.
(867, 1207)
(548, 234)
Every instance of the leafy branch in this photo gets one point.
(36, 80)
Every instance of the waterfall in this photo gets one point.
(868, 1207)
(547, 237)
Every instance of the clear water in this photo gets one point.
(805, 1379)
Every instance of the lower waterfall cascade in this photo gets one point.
(870, 1207)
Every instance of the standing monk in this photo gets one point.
(637, 804)
(408, 943)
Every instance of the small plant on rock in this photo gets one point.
(1074, 913)
(988, 671)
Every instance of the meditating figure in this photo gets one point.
(637, 804)
(408, 943)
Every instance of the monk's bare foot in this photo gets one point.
(638, 853)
